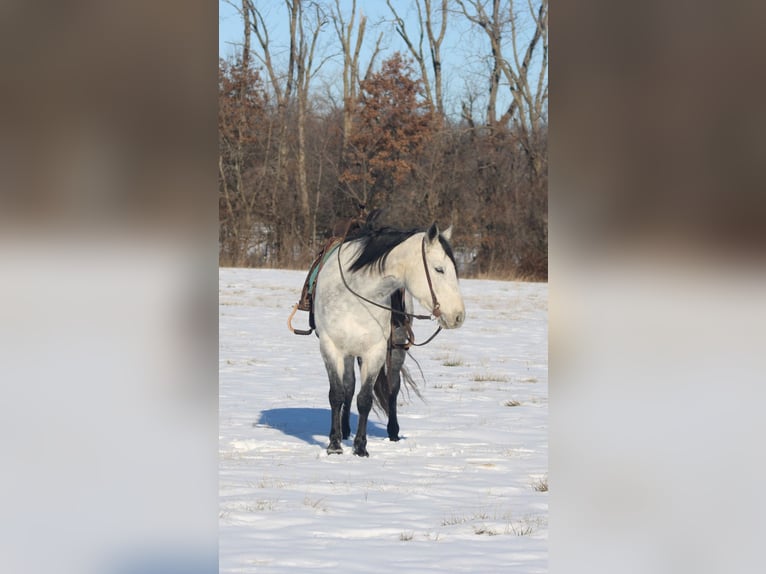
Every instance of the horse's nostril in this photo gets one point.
(459, 318)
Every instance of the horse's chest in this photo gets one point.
(359, 336)
(353, 326)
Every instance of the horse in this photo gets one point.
(353, 315)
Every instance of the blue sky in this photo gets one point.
(230, 25)
(465, 51)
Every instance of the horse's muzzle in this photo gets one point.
(450, 321)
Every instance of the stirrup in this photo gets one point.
(290, 325)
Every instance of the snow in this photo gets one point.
(461, 492)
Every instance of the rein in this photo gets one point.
(436, 312)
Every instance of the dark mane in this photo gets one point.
(448, 250)
(378, 242)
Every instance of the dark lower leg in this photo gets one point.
(348, 394)
(364, 404)
(397, 359)
(393, 423)
(345, 421)
(336, 402)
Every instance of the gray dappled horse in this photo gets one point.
(353, 317)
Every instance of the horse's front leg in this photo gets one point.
(397, 360)
(364, 404)
(349, 382)
(336, 404)
(399, 337)
(334, 366)
(369, 370)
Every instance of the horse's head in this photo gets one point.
(439, 266)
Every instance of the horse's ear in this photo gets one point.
(433, 232)
(447, 233)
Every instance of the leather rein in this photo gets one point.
(436, 311)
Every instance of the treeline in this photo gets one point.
(292, 164)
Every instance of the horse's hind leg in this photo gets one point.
(349, 382)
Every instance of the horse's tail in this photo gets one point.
(397, 353)
(381, 391)
(409, 384)
(382, 388)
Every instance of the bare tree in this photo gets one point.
(282, 87)
(243, 133)
(241, 108)
(304, 57)
(493, 27)
(511, 160)
(290, 166)
(528, 97)
(425, 30)
(350, 48)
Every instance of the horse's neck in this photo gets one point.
(402, 258)
(373, 284)
(378, 286)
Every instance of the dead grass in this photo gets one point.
(441, 386)
(519, 529)
(483, 529)
(455, 519)
(526, 526)
(452, 520)
(512, 403)
(269, 482)
(491, 377)
(317, 504)
(506, 275)
(495, 524)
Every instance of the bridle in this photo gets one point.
(436, 309)
(435, 312)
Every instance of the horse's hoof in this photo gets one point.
(361, 452)
(334, 449)
(393, 438)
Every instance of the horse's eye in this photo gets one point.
(439, 269)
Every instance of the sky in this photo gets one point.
(230, 26)
(465, 51)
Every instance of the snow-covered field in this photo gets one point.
(465, 490)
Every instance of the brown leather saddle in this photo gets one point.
(342, 230)
(306, 302)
